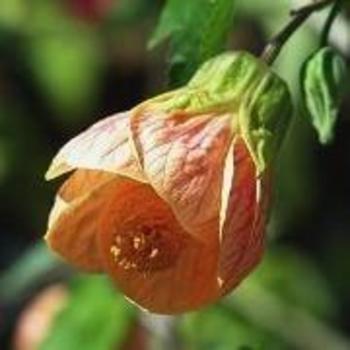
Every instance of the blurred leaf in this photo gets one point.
(218, 328)
(67, 69)
(294, 278)
(35, 263)
(296, 326)
(270, 10)
(198, 30)
(323, 81)
(295, 174)
(287, 297)
(131, 11)
(12, 13)
(90, 10)
(95, 318)
(65, 58)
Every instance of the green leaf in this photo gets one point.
(95, 318)
(198, 30)
(67, 68)
(323, 83)
(219, 328)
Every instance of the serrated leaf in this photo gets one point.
(95, 318)
(198, 30)
(323, 82)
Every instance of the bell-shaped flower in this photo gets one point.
(170, 198)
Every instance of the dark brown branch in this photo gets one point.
(299, 16)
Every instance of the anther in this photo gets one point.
(146, 248)
(154, 253)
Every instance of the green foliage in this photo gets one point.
(219, 328)
(66, 68)
(130, 11)
(253, 317)
(95, 318)
(287, 297)
(37, 262)
(64, 56)
(323, 81)
(198, 30)
(296, 280)
(12, 13)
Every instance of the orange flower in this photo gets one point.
(170, 198)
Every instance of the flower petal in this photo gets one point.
(242, 217)
(150, 257)
(183, 158)
(74, 218)
(103, 146)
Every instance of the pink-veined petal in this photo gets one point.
(242, 217)
(104, 146)
(183, 157)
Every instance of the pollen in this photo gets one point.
(138, 242)
(154, 253)
(146, 248)
(115, 251)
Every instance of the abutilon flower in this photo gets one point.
(170, 198)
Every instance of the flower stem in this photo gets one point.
(163, 331)
(328, 26)
(299, 16)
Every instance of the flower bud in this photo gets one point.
(324, 77)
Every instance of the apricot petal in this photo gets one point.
(183, 158)
(104, 146)
(149, 255)
(74, 218)
(241, 218)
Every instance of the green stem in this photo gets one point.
(330, 20)
(299, 16)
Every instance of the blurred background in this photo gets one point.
(65, 64)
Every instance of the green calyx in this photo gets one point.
(240, 84)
